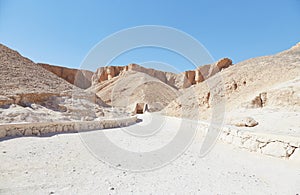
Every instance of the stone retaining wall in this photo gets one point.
(269, 144)
(37, 129)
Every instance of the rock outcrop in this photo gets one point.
(123, 86)
(132, 87)
(178, 81)
(248, 81)
(30, 93)
(79, 78)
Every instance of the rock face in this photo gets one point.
(30, 93)
(124, 86)
(178, 81)
(20, 75)
(247, 81)
(132, 87)
(79, 78)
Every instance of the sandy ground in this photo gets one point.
(272, 121)
(62, 164)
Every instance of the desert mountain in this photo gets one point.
(124, 86)
(30, 93)
(133, 87)
(19, 75)
(267, 84)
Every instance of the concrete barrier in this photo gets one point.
(37, 129)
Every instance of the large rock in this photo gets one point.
(244, 122)
(276, 149)
(224, 63)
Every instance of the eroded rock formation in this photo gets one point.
(79, 78)
(178, 81)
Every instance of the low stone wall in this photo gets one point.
(36, 129)
(268, 144)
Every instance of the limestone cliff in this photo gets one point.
(79, 78)
(178, 81)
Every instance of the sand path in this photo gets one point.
(62, 164)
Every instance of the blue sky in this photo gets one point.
(62, 32)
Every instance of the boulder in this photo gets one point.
(276, 149)
(2, 133)
(244, 122)
(224, 63)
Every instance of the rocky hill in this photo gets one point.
(30, 93)
(20, 75)
(133, 87)
(79, 78)
(124, 86)
(268, 82)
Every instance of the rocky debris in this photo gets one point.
(285, 95)
(258, 101)
(79, 78)
(267, 144)
(20, 75)
(5, 101)
(244, 122)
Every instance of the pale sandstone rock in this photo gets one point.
(251, 144)
(2, 133)
(296, 155)
(182, 80)
(229, 138)
(290, 150)
(276, 149)
(244, 122)
(36, 132)
(198, 76)
(224, 63)
(41, 95)
(28, 77)
(249, 78)
(28, 132)
(80, 78)
(237, 141)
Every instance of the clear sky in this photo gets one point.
(62, 32)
